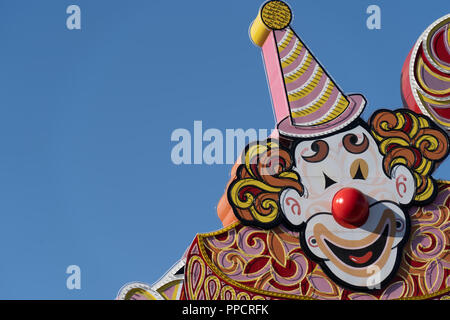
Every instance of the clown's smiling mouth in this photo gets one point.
(360, 258)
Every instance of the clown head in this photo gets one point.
(344, 192)
(342, 183)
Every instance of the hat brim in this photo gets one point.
(354, 109)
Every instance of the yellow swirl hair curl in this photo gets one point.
(265, 172)
(407, 138)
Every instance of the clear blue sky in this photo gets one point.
(86, 117)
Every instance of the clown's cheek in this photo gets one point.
(292, 206)
(400, 186)
(403, 184)
(315, 206)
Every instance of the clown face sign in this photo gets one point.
(345, 192)
(358, 244)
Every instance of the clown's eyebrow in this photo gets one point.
(320, 148)
(349, 142)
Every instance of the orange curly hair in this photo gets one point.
(407, 138)
(265, 172)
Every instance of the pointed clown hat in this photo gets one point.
(306, 100)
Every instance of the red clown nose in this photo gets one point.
(350, 208)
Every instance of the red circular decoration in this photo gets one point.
(350, 208)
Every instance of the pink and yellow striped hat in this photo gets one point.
(306, 100)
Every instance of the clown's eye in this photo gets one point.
(320, 149)
(328, 181)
